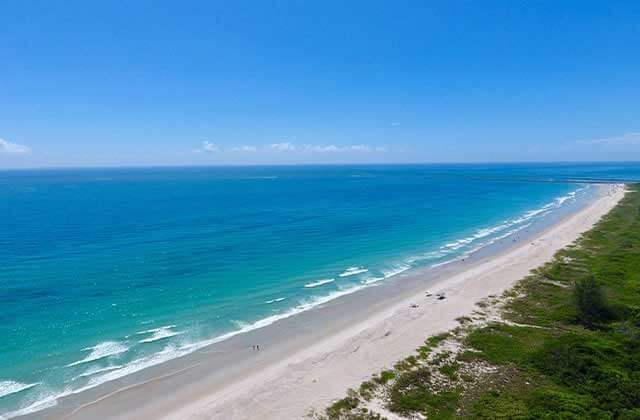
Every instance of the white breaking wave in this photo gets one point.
(318, 283)
(11, 387)
(440, 264)
(395, 271)
(47, 401)
(96, 370)
(480, 246)
(433, 255)
(159, 334)
(571, 195)
(459, 243)
(371, 280)
(153, 330)
(261, 323)
(173, 351)
(507, 224)
(352, 271)
(561, 200)
(275, 300)
(482, 233)
(495, 239)
(51, 400)
(166, 354)
(489, 231)
(102, 350)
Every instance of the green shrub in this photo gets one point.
(343, 406)
(367, 389)
(551, 402)
(437, 339)
(450, 369)
(412, 393)
(591, 304)
(568, 359)
(496, 405)
(384, 377)
(594, 367)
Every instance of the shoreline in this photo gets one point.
(195, 385)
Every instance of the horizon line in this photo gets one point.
(266, 165)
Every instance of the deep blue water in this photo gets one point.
(107, 271)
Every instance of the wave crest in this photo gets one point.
(318, 283)
(102, 350)
(352, 271)
(12, 387)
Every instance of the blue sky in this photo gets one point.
(179, 83)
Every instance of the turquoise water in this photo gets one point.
(108, 271)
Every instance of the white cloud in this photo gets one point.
(623, 140)
(6, 147)
(322, 149)
(360, 148)
(283, 147)
(250, 149)
(209, 147)
(332, 148)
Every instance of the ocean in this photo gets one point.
(108, 271)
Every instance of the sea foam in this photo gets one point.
(276, 300)
(96, 370)
(159, 333)
(174, 351)
(352, 271)
(511, 226)
(398, 269)
(372, 280)
(102, 350)
(507, 224)
(12, 387)
(318, 283)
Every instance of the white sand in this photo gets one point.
(322, 372)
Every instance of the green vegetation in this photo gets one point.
(384, 377)
(450, 369)
(500, 343)
(591, 306)
(568, 346)
(437, 339)
(411, 393)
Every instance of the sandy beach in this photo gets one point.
(289, 380)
